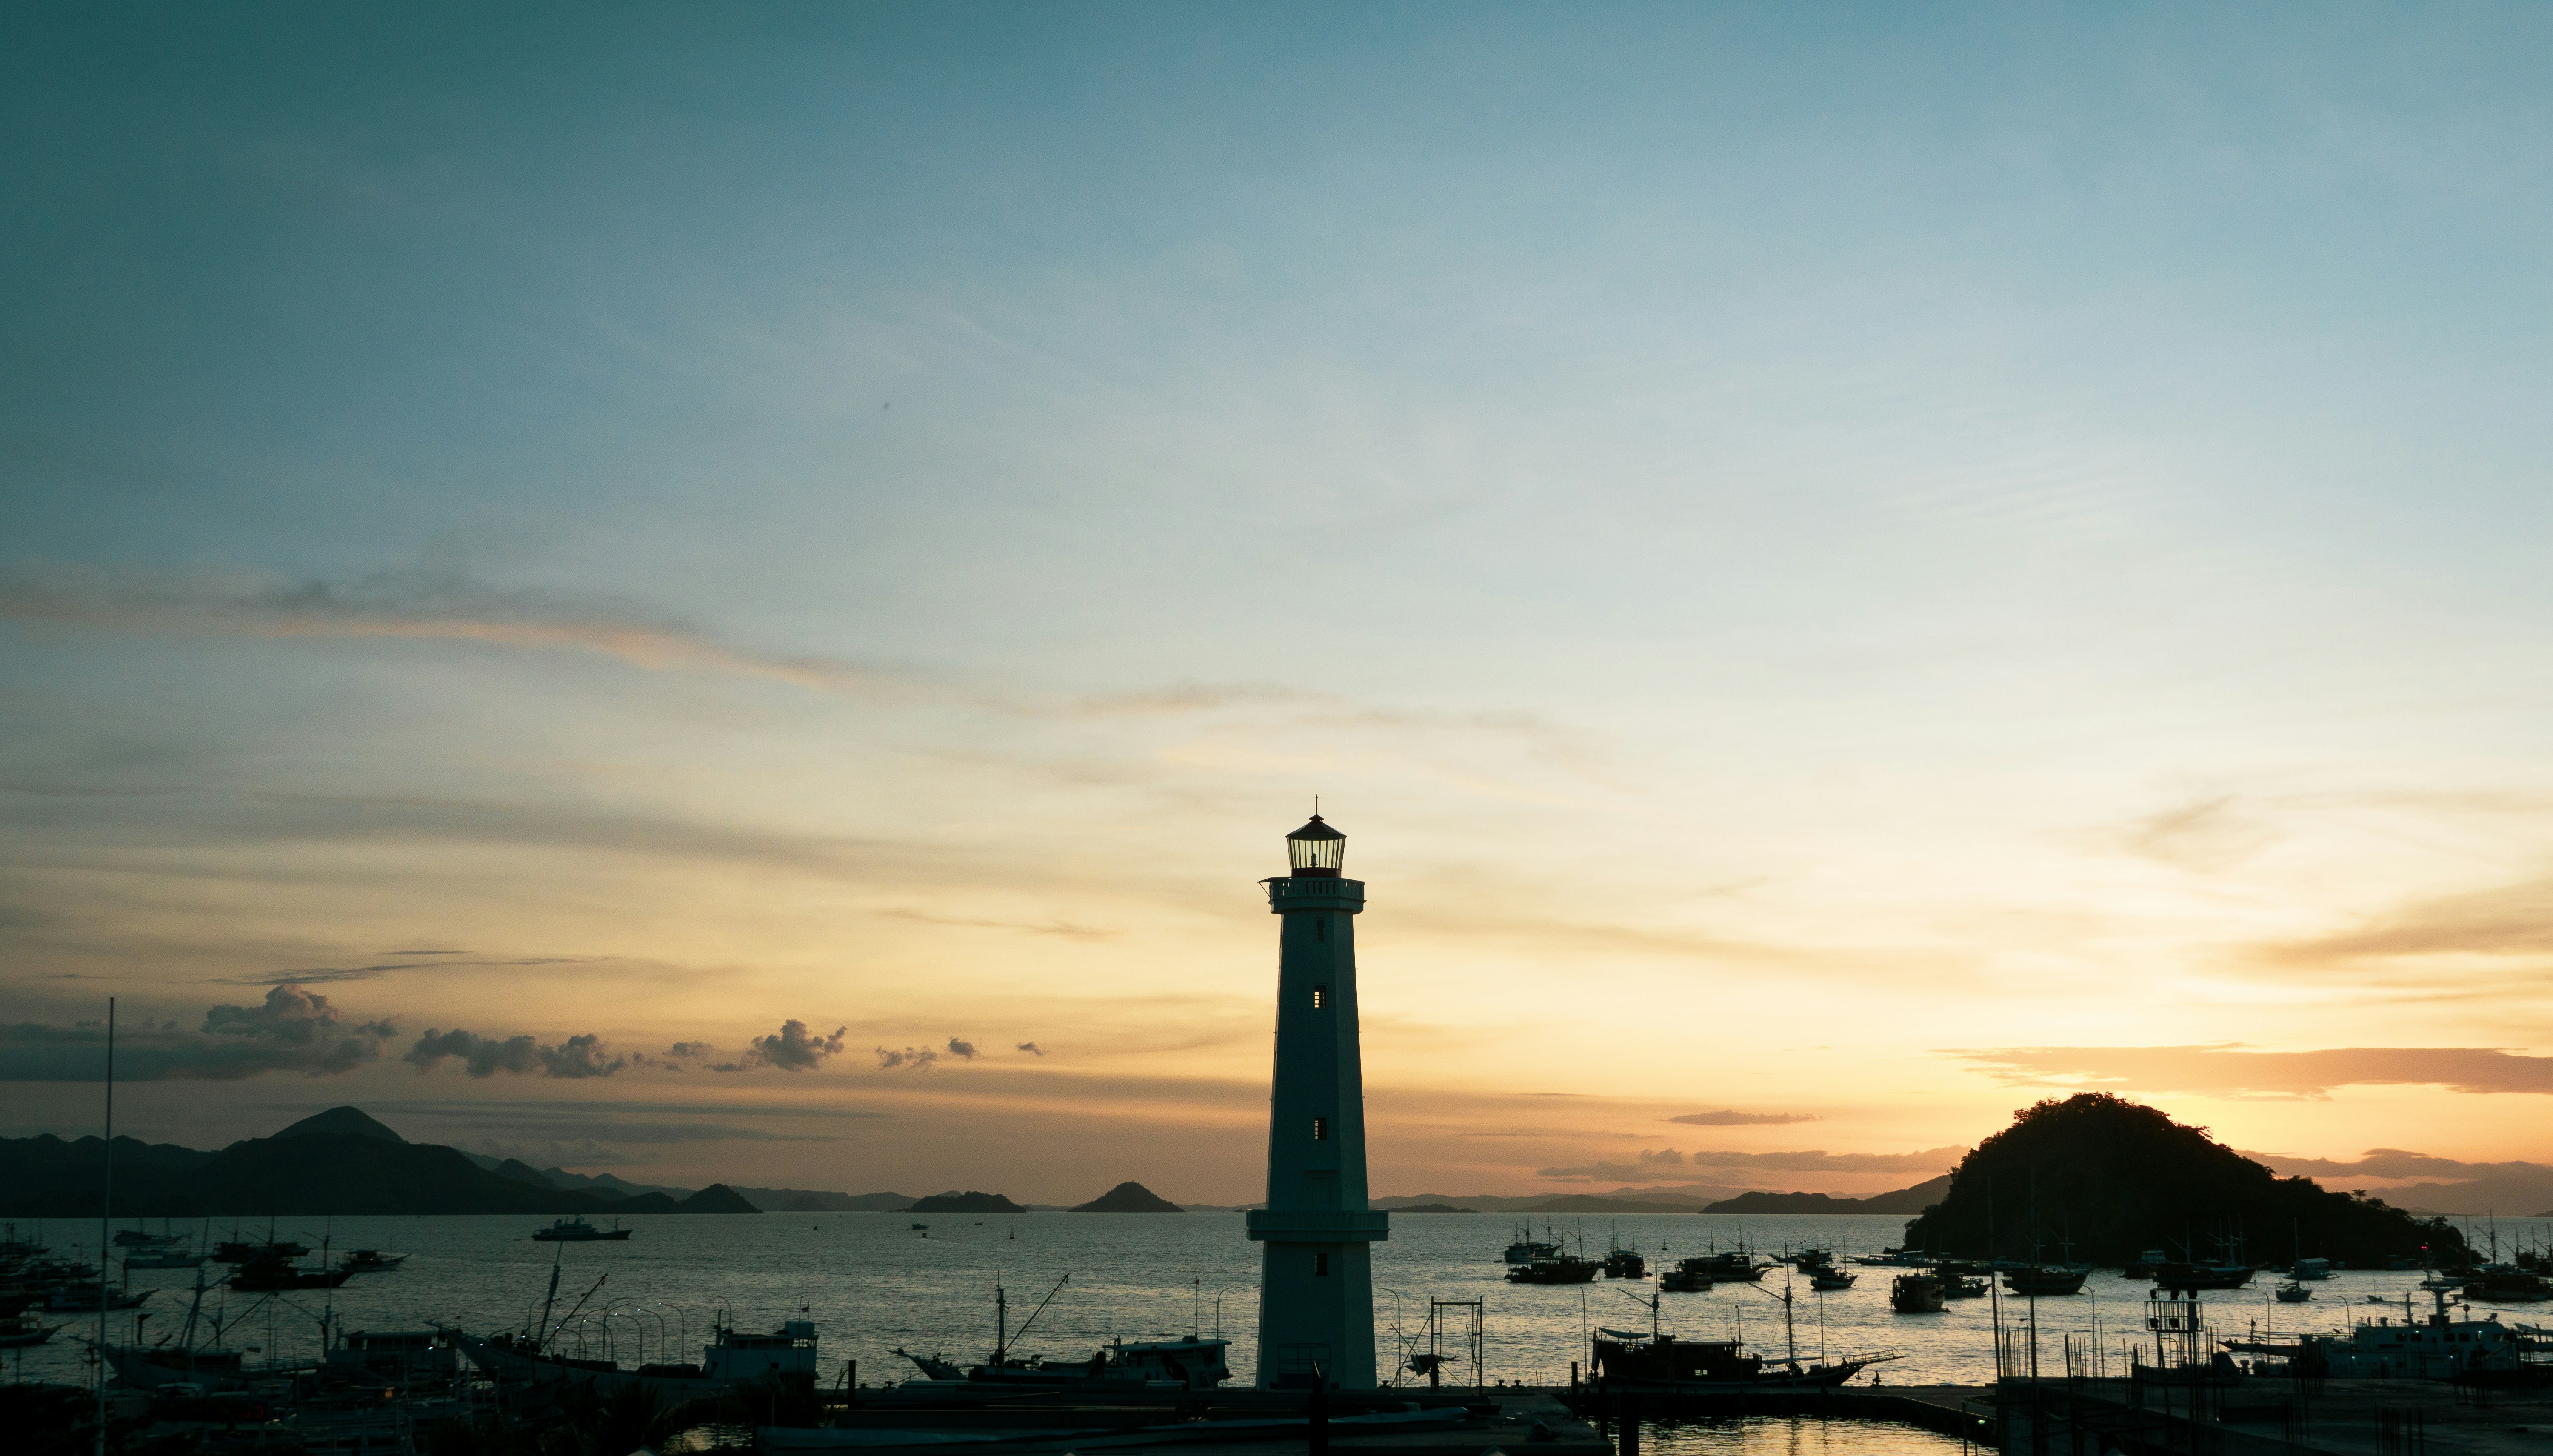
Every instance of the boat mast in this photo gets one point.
(105, 1218)
(541, 1334)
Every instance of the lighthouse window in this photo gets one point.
(1320, 997)
(1320, 1129)
(1320, 930)
(1320, 1263)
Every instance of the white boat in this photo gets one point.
(2433, 1348)
(730, 1357)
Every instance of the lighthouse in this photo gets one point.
(1315, 1286)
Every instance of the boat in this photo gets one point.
(2435, 1347)
(1559, 1270)
(1965, 1287)
(1187, 1363)
(1624, 1264)
(1915, 1294)
(1734, 1266)
(2311, 1269)
(25, 1330)
(1830, 1279)
(1688, 1276)
(88, 1300)
(235, 1251)
(271, 1276)
(578, 1231)
(1661, 1364)
(134, 1237)
(2292, 1293)
(372, 1261)
(1527, 1250)
(2505, 1283)
(1809, 1260)
(2045, 1278)
(403, 1355)
(165, 1259)
(1896, 1258)
(730, 1358)
(2145, 1264)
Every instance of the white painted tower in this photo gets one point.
(1316, 1286)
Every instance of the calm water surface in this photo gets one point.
(871, 1283)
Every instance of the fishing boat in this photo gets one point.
(732, 1357)
(24, 1330)
(88, 1300)
(372, 1261)
(1734, 1266)
(1965, 1287)
(1562, 1269)
(236, 1250)
(1915, 1294)
(402, 1355)
(134, 1237)
(271, 1276)
(2045, 1278)
(164, 1259)
(2311, 1269)
(1528, 1249)
(2434, 1346)
(2292, 1293)
(1624, 1264)
(1660, 1364)
(1830, 1279)
(1896, 1258)
(1809, 1260)
(2505, 1283)
(578, 1231)
(1689, 1276)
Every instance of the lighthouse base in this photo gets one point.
(1315, 1317)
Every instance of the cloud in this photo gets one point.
(323, 974)
(484, 1056)
(791, 1049)
(2231, 1068)
(1031, 1047)
(689, 1050)
(2508, 920)
(1030, 927)
(1929, 1160)
(291, 1030)
(909, 1058)
(2395, 1163)
(2205, 834)
(962, 1048)
(1742, 1119)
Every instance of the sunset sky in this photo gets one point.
(1844, 569)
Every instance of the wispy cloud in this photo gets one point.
(1929, 1160)
(1032, 927)
(2507, 919)
(1742, 1119)
(325, 975)
(2232, 1068)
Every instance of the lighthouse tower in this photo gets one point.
(1315, 1288)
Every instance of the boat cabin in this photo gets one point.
(1630, 1357)
(788, 1350)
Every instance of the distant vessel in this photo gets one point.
(270, 1275)
(19, 1331)
(372, 1261)
(1965, 1287)
(1661, 1364)
(1915, 1294)
(2292, 1293)
(1624, 1264)
(164, 1259)
(1734, 1266)
(1830, 1279)
(578, 1231)
(1187, 1363)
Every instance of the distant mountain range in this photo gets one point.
(337, 1162)
(1904, 1200)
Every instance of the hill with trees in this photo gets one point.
(2102, 1179)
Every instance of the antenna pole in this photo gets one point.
(105, 1221)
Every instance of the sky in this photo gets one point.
(732, 594)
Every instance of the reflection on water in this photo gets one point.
(1792, 1435)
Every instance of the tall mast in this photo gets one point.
(105, 1221)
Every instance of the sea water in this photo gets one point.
(871, 1283)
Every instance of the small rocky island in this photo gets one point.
(1129, 1198)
